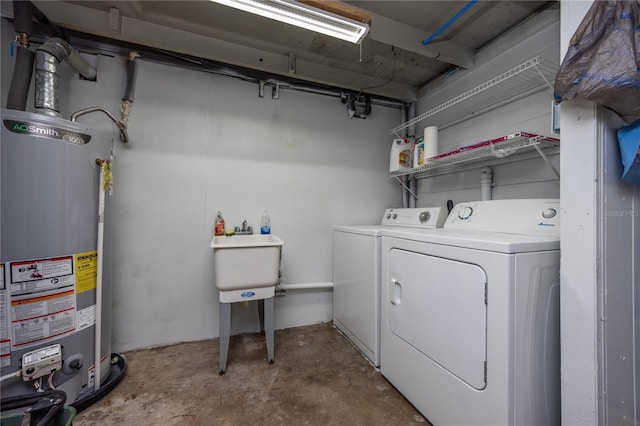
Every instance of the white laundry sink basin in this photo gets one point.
(246, 267)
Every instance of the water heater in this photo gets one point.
(49, 315)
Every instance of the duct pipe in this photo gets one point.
(23, 67)
(486, 183)
(48, 58)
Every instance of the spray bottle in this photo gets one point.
(219, 224)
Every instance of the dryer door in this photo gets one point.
(438, 306)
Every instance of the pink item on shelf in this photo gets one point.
(494, 142)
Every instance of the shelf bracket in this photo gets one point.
(399, 179)
(546, 160)
(544, 78)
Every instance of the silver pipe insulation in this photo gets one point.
(47, 81)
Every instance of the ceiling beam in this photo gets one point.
(388, 31)
(91, 21)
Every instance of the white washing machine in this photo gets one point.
(356, 274)
(470, 330)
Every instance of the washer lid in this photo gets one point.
(368, 230)
(480, 240)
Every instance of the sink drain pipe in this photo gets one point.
(304, 286)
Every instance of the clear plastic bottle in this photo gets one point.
(265, 223)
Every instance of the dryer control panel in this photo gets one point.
(419, 217)
(527, 216)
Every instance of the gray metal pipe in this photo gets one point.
(124, 137)
(47, 80)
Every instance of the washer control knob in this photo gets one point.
(424, 216)
(549, 213)
(395, 215)
(465, 213)
(388, 215)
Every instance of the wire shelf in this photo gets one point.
(525, 79)
(492, 151)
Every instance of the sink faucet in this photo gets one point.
(245, 230)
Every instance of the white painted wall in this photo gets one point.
(521, 179)
(201, 143)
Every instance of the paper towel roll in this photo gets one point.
(430, 142)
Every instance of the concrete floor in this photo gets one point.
(318, 378)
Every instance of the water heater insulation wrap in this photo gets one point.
(48, 252)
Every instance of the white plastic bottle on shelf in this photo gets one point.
(400, 157)
(265, 223)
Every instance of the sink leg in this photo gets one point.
(225, 334)
(261, 315)
(268, 323)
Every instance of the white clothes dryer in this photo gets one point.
(356, 274)
(470, 330)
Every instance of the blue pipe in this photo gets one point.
(449, 22)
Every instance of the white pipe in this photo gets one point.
(10, 376)
(303, 286)
(486, 183)
(98, 325)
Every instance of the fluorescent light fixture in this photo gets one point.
(301, 15)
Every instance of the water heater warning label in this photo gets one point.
(41, 275)
(42, 300)
(5, 343)
(86, 271)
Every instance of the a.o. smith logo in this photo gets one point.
(37, 129)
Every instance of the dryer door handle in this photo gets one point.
(395, 292)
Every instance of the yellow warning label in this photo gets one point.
(86, 271)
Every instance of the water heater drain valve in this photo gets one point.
(41, 362)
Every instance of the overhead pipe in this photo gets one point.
(53, 29)
(449, 22)
(261, 78)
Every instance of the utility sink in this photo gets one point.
(246, 267)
